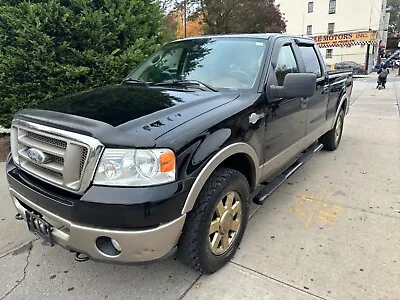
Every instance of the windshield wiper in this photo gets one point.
(203, 86)
(136, 80)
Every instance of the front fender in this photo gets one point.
(213, 163)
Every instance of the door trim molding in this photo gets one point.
(277, 162)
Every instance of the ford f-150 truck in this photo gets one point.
(171, 158)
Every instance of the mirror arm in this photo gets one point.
(277, 91)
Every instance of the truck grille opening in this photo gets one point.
(48, 140)
(57, 160)
(83, 160)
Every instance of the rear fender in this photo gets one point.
(342, 103)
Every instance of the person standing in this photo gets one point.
(383, 74)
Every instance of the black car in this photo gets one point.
(167, 159)
(357, 68)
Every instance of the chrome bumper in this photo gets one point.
(136, 246)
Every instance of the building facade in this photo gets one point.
(345, 30)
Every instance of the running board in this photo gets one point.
(270, 187)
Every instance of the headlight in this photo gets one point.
(135, 167)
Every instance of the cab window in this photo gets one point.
(311, 60)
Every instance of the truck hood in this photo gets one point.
(126, 115)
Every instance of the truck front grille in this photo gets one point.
(58, 157)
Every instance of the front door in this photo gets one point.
(285, 123)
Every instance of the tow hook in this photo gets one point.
(18, 217)
(79, 257)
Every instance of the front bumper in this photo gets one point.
(136, 246)
(114, 208)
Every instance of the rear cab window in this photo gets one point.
(310, 59)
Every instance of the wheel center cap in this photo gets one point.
(226, 222)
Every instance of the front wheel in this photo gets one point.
(215, 226)
(332, 138)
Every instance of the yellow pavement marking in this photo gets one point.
(321, 199)
(321, 210)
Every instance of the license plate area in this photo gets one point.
(40, 227)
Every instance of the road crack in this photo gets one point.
(278, 280)
(24, 273)
(16, 247)
(188, 289)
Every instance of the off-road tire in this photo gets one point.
(330, 140)
(194, 248)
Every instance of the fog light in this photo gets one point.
(108, 246)
(116, 245)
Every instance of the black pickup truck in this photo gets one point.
(171, 158)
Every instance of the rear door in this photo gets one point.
(316, 105)
(285, 117)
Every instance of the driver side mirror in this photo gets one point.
(296, 85)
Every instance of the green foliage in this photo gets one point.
(51, 48)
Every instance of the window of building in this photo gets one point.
(309, 30)
(332, 6)
(329, 53)
(331, 28)
(310, 7)
(311, 60)
(286, 64)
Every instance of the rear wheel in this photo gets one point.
(214, 228)
(332, 138)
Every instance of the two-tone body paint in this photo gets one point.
(203, 128)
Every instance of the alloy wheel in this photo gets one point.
(225, 223)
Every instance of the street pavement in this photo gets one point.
(331, 232)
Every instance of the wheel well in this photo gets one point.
(243, 164)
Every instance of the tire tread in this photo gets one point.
(189, 245)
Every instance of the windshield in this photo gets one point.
(220, 63)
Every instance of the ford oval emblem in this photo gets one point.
(36, 155)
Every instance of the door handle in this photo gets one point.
(303, 102)
(254, 118)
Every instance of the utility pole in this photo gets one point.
(367, 58)
(184, 18)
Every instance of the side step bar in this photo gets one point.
(270, 187)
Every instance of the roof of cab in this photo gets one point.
(265, 36)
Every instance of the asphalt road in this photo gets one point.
(331, 232)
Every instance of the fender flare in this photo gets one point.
(216, 160)
(342, 100)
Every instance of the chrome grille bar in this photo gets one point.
(68, 160)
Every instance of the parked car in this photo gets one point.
(167, 160)
(357, 68)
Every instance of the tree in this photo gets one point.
(50, 48)
(241, 16)
(194, 27)
(394, 22)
